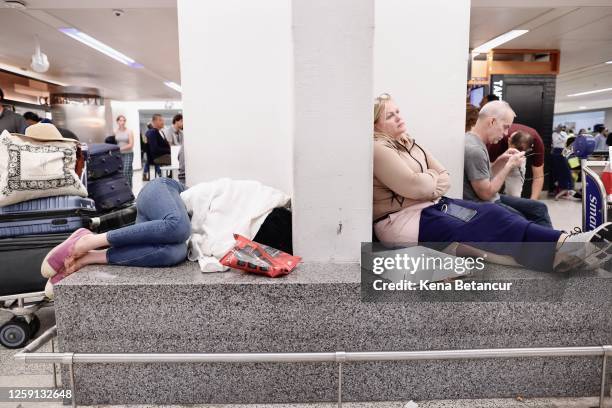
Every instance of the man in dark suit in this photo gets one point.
(9, 120)
(159, 147)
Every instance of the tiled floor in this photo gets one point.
(565, 215)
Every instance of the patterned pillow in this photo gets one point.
(32, 169)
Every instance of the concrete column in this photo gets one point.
(332, 173)
(420, 58)
(237, 90)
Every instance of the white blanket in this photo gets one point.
(222, 208)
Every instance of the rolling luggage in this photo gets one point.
(103, 160)
(21, 259)
(117, 219)
(49, 215)
(110, 193)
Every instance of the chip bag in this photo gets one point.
(257, 258)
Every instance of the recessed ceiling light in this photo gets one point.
(174, 86)
(100, 46)
(497, 41)
(582, 107)
(591, 92)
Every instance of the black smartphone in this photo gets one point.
(462, 213)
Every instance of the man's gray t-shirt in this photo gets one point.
(476, 166)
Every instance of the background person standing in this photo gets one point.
(125, 141)
(159, 147)
(9, 120)
(175, 134)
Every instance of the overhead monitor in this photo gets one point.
(476, 95)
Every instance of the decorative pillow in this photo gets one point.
(33, 169)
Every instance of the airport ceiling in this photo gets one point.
(582, 30)
(148, 33)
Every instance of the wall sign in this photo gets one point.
(498, 89)
(593, 201)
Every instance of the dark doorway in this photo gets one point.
(526, 101)
(532, 97)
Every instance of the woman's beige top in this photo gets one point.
(400, 182)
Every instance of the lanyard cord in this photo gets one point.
(396, 197)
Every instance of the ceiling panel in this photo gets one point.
(488, 23)
(106, 4)
(76, 64)
(585, 24)
(150, 36)
(582, 34)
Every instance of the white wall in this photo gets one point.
(583, 120)
(420, 58)
(332, 174)
(608, 118)
(237, 90)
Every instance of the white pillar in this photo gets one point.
(237, 90)
(420, 58)
(332, 176)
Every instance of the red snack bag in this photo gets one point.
(257, 258)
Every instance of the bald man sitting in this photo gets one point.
(482, 180)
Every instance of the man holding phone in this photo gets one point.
(535, 160)
(482, 179)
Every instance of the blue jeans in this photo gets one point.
(532, 210)
(159, 237)
(561, 173)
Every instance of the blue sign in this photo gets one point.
(594, 202)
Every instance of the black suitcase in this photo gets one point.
(276, 230)
(110, 193)
(103, 160)
(116, 219)
(21, 258)
(48, 215)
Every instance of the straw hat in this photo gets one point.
(45, 132)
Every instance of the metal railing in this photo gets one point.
(29, 355)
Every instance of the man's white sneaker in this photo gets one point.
(585, 250)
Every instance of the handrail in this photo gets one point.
(28, 355)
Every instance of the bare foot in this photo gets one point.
(90, 258)
(69, 261)
(75, 265)
(80, 248)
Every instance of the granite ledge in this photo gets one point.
(189, 273)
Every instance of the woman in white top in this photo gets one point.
(125, 140)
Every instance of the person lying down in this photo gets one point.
(173, 223)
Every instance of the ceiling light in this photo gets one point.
(609, 62)
(582, 107)
(99, 46)
(15, 4)
(591, 92)
(174, 86)
(497, 41)
(40, 62)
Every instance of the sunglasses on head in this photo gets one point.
(383, 97)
